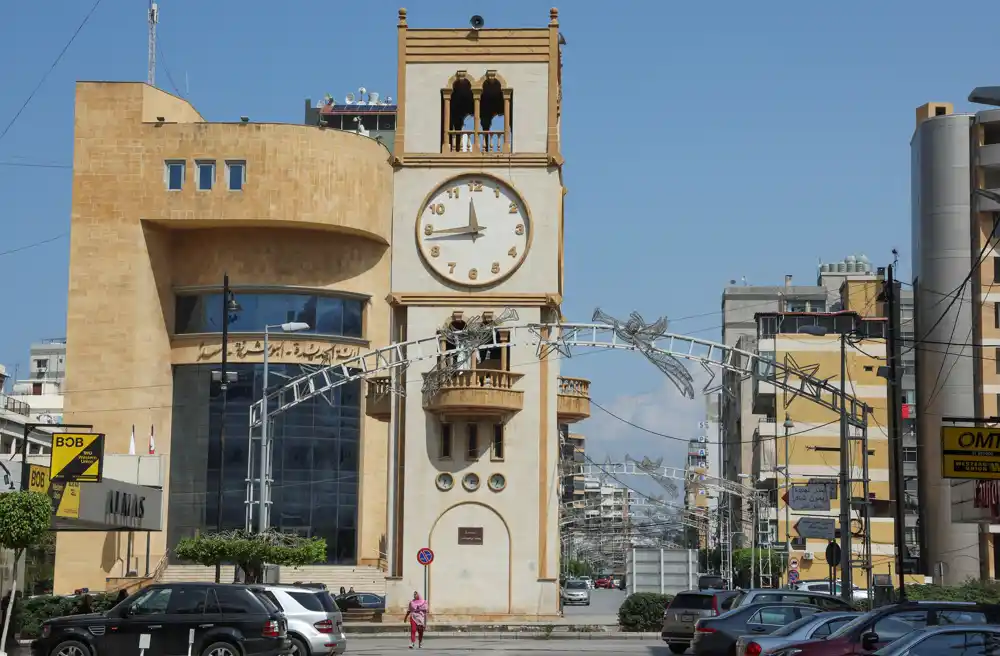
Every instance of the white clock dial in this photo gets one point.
(474, 230)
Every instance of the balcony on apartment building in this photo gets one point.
(987, 158)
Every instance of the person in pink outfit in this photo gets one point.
(416, 613)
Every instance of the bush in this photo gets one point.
(39, 609)
(643, 611)
(986, 592)
(251, 551)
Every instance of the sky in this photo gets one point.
(704, 142)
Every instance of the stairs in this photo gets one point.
(363, 578)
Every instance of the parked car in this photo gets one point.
(575, 592)
(718, 635)
(315, 623)
(227, 620)
(688, 607)
(824, 601)
(959, 640)
(881, 627)
(361, 601)
(857, 593)
(812, 627)
(711, 582)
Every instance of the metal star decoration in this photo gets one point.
(549, 344)
(805, 373)
(642, 336)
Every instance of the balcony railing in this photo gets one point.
(574, 399)
(477, 141)
(478, 393)
(378, 400)
(13, 405)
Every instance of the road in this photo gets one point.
(508, 647)
(603, 608)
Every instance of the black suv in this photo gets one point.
(222, 620)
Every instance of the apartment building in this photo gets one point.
(42, 390)
(955, 176)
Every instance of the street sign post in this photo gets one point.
(813, 496)
(968, 452)
(425, 557)
(817, 527)
(793, 576)
(793, 564)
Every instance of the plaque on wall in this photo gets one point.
(470, 534)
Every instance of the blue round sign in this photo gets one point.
(793, 575)
(425, 556)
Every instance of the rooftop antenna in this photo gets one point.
(153, 18)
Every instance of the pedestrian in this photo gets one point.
(122, 596)
(351, 591)
(343, 591)
(417, 614)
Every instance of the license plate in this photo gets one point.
(688, 618)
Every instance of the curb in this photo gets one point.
(512, 635)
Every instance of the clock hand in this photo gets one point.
(463, 230)
(473, 221)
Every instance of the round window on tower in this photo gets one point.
(445, 481)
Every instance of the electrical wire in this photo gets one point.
(51, 68)
(34, 245)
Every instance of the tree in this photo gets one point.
(251, 551)
(746, 560)
(579, 568)
(25, 517)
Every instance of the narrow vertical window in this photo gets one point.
(445, 452)
(173, 174)
(236, 175)
(206, 176)
(496, 452)
(472, 451)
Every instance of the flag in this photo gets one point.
(152, 441)
(131, 442)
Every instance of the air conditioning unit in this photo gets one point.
(807, 555)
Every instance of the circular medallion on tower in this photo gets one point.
(497, 482)
(445, 481)
(470, 482)
(474, 230)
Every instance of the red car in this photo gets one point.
(603, 582)
(882, 626)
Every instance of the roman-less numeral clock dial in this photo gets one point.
(474, 231)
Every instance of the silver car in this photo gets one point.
(577, 592)
(315, 623)
(813, 627)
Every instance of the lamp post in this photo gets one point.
(263, 518)
(229, 309)
(788, 490)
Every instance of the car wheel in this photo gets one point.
(70, 648)
(679, 649)
(299, 648)
(220, 649)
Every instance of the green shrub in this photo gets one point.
(643, 611)
(37, 610)
(972, 590)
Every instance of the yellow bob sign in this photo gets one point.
(77, 457)
(970, 452)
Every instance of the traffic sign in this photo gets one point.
(816, 527)
(77, 457)
(813, 496)
(425, 556)
(970, 452)
(793, 576)
(793, 564)
(833, 554)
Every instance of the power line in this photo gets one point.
(51, 68)
(34, 245)
(37, 165)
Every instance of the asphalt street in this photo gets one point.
(603, 608)
(477, 647)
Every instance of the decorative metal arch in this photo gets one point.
(564, 337)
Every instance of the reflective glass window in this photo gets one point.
(325, 315)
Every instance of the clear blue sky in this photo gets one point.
(703, 141)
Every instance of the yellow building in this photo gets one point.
(813, 442)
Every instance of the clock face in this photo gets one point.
(474, 231)
(497, 482)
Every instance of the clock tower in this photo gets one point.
(477, 230)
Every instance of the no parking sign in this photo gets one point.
(425, 556)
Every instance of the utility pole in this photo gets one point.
(152, 19)
(224, 388)
(788, 491)
(893, 355)
(846, 573)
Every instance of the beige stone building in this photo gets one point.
(454, 211)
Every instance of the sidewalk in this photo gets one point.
(522, 631)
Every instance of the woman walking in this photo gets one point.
(417, 614)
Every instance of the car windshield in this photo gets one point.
(849, 628)
(789, 629)
(692, 602)
(576, 585)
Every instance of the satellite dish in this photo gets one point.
(349, 99)
(361, 92)
(388, 100)
(373, 98)
(477, 22)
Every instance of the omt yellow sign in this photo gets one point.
(970, 452)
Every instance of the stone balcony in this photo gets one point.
(378, 399)
(477, 393)
(574, 399)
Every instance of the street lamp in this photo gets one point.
(788, 490)
(263, 519)
(230, 308)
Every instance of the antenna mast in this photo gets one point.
(154, 18)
